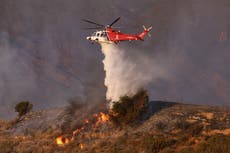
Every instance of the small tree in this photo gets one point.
(23, 107)
(128, 109)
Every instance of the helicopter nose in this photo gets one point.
(88, 38)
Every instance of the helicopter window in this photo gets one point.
(98, 34)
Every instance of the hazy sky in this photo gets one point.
(46, 59)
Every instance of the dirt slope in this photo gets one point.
(166, 127)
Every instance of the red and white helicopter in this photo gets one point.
(110, 35)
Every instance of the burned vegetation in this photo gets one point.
(133, 124)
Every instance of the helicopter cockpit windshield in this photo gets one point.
(94, 34)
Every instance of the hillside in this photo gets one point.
(166, 127)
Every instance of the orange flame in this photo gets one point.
(104, 117)
(61, 140)
(86, 121)
(76, 132)
(101, 118)
(81, 146)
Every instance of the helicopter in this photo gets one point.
(111, 35)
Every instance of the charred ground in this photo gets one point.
(164, 127)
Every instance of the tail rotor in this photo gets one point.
(147, 30)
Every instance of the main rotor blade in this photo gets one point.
(93, 22)
(114, 22)
(119, 27)
(93, 28)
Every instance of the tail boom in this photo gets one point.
(146, 31)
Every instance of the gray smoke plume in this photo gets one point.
(15, 73)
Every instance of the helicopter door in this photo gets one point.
(106, 36)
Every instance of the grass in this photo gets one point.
(7, 146)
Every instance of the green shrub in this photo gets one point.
(23, 107)
(128, 109)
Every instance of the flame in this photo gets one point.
(104, 117)
(76, 132)
(100, 118)
(86, 121)
(61, 140)
(82, 146)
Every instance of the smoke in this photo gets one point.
(15, 73)
(125, 75)
(45, 58)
